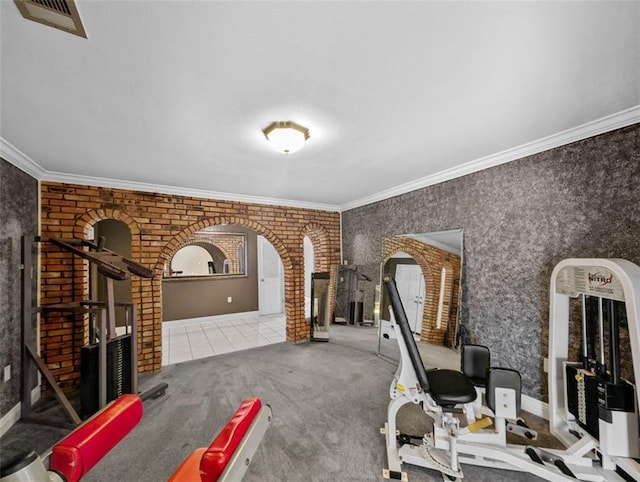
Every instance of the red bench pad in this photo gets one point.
(83, 448)
(211, 462)
(221, 450)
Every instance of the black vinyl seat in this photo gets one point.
(449, 387)
(446, 387)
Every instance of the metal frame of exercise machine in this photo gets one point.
(612, 401)
(458, 437)
(101, 317)
(226, 459)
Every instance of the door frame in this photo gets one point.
(261, 294)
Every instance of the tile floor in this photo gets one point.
(185, 340)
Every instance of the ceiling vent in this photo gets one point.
(61, 14)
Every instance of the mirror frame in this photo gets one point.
(424, 238)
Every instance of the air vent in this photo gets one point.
(61, 14)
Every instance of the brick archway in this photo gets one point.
(68, 371)
(321, 242)
(294, 333)
(158, 222)
(431, 261)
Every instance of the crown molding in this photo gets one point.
(183, 191)
(19, 159)
(600, 126)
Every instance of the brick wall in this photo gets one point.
(431, 261)
(159, 224)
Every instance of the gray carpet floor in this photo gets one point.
(329, 402)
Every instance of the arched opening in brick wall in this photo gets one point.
(293, 312)
(69, 210)
(320, 242)
(431, 288)
(87, 284)
(438, 321)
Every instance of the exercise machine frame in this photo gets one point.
(445, 397)
(101, 317)
(612, 279)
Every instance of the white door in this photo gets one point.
(270, 279)
(410, 284)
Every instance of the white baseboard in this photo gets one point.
(13, 415)
(207, 319)
(535, 407)
(10, 418)
(36, 392)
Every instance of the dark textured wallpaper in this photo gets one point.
(519, 220)
(18, 217)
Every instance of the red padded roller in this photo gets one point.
(83, 448)
(216, 457)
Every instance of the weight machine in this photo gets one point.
(350, 296)
(114, 357)
(459, 436)
(592, 409)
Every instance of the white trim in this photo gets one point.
(11, 417)
(600, 126)
(184, 191)
(23, 162)
(19, 159)
(36, 393)
(208, 319)
(535, 407)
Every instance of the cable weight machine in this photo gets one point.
(109, 361)
(592, 408)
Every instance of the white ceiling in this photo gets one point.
(172, 95)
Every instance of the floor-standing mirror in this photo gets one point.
(320, 307)
(427, 268)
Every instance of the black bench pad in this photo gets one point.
(450, 387)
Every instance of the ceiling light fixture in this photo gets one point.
(286, 136)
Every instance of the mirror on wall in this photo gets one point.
(209, 252)
(427, 268)
(320, 307)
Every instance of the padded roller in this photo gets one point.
(83, 448)
(208, 464)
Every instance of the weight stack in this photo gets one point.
(582, 398)
(118, 373)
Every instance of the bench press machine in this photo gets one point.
(458, 436)
(226, 459)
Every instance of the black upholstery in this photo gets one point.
(446, 387)
(449, 387)
(503, 378)
(475, 361)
